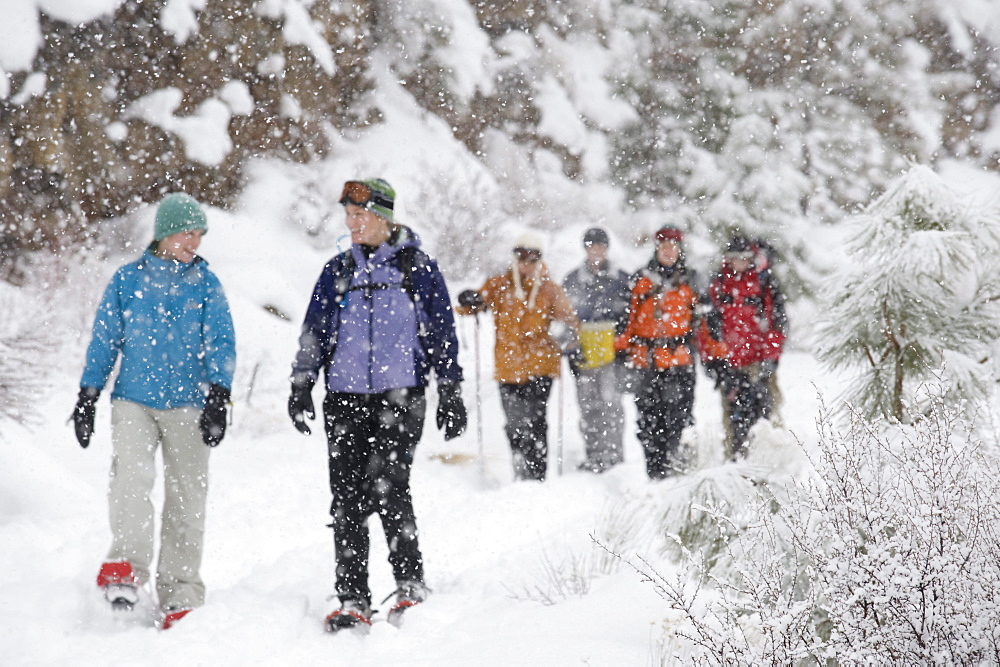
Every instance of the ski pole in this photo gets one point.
(479, 405)
(559, 429)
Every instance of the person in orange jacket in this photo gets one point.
(666, 325)
(525, 303)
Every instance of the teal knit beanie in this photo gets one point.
(385, 200)
(178, 212)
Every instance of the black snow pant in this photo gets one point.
(524, 406)
(664, 400)
(371, 440)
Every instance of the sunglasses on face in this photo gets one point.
(527, 254)
(359, 194)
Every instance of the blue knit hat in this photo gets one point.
(176, 213)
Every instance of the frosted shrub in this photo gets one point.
(623, 526)
(905, 543)
(888, 555)
(459, 216)
(26, 354)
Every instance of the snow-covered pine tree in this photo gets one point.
(917, 299)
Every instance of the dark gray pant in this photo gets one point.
(751, 402)
(524, 406)
(664, 400)
(371, 440)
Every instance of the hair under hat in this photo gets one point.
(178, 212)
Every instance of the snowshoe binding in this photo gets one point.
(408, 594)
(353, 615)
(171, 616)
(120, 585)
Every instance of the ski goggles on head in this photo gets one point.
(359, 194)
(527, 254)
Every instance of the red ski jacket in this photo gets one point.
(753, 315)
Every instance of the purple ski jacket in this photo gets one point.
(368, 332)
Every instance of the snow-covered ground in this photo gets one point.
(515, 574)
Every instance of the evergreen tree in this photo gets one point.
(917, 300)
(763, 115)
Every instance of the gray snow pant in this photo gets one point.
(602, 416)
(137, 431)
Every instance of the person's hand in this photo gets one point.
(576, 359)
(718, 370)
(84, 413)
(767, 368)
(451, 414)
(472, 300)
(213, 415)
(300, 406)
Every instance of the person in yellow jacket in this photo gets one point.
(666, 322)
(525, 303)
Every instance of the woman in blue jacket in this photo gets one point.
(378, 321)
(166, 320)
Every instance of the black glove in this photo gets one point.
(451, 415)
(84, 413)
(718, 370)
(576, 359)
(300, 406)
(767, 368)
(470, 298)
(213, 415)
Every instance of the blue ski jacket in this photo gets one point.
(170, 324)
(371, 330)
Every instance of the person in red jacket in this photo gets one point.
(665, 328)
(752, 310)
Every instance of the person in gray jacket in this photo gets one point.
(600, 293)
(166, 319)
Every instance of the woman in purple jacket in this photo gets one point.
(378, 321)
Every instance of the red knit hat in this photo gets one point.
(668, 233)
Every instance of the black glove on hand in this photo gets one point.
(470, 298)
(300, 406)
(451, 415)
(213, 415)
(767, 368)
(576, 359)
(718, 370)
(84, 413)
